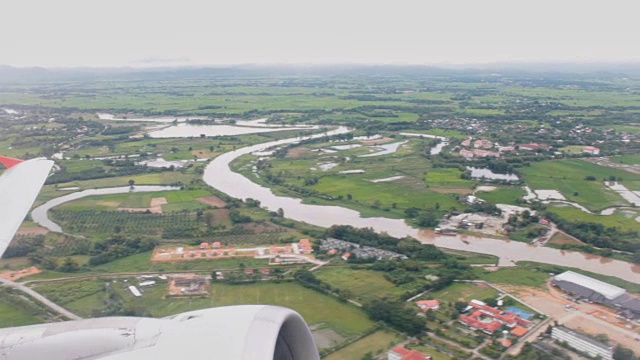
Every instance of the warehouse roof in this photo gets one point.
(607, 290)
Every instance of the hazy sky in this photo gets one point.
(138, 32)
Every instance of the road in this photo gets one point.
(48, 303)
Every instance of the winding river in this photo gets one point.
(219, 175)
(41, 217)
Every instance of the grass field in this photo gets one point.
(618, 219)
(568, 176)
(85, 296)
(376, 343)
(514, 275)
(363, 284)
(502, 195)
(446, 177)
(561, 238)
(628, 158)
(463, 292)
(13, 316)
(316, 308)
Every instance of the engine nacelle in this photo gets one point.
(245, 332)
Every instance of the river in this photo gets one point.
(219, 175)
(40, 215)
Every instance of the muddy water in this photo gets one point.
(219, 175)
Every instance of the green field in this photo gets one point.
(623, 219)
(363, 284)
(514, 275)
(463, 292)
(11, 315)
(502, 195)
(377, 343)
(628, 158)
(85, 296)
(568, 176)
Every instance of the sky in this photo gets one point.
(67, 33)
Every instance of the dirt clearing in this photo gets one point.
(212, 200)
(32, 231)
(15, 275)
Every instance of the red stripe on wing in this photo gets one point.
(9, 162)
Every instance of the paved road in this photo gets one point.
(50, 304)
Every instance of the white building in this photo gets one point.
(582, 343)
(591, 150)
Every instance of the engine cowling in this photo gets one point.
(247, 332)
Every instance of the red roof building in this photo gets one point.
(204, 245)
(401, 353)
(489, 319)
(216, 245)
(425, 305)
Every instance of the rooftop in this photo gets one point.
(607, 290)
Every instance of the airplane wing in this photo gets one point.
(248, 332)
(19, 186)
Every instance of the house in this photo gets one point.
(519, 331)
(402, 353)
(466, 143)
(216, 245)
(346, 256)
(591, 150)
(248, 271)
(305, 246)
(489, 319)
(425, 305)
(467, 154)
(485, 153)
(204, 245)
(505, 342)
(506, 148)
(481, 143)
(532, 147)
(332, 252)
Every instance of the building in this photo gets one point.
(590, 289)
(401, 353)
(587, 288)
(481, 143)
(591, 150)
(582, 343)
(425, 305)
(489, 319)
(467, 154)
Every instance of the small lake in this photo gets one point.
(436, 149)
(40, 214)
(478, 173)
(386, 149)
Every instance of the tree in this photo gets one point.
(131, 182)
(280, 212)
(69, 265)
(636, 257)
(623, 353)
